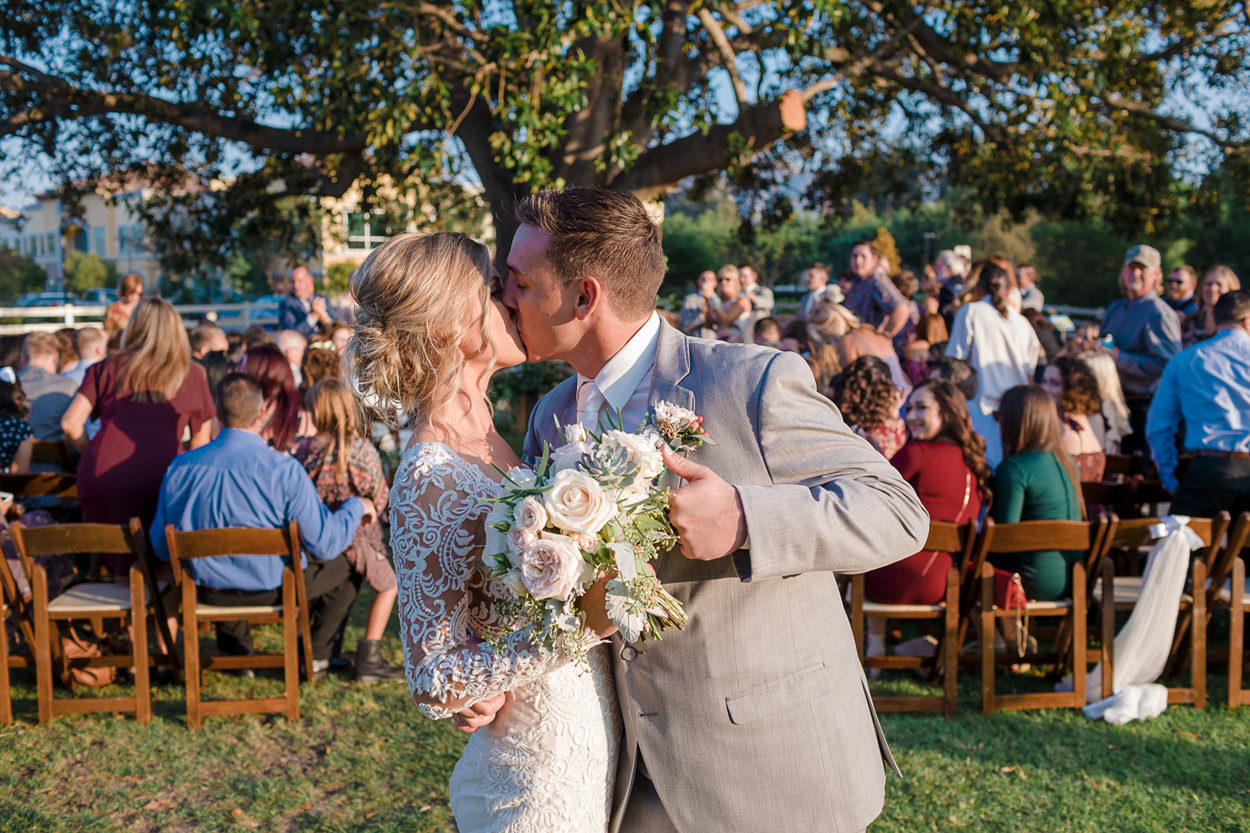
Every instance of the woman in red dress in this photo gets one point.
(945, 463)
(152, 401)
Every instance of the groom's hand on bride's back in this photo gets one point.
(480, 714)
(706, 512)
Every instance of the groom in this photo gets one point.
(757, 715)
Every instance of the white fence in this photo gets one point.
(234, 317)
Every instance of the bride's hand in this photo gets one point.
(480, 714)
(593, 604)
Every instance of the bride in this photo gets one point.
(430, 331)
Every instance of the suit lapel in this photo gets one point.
(672, 365)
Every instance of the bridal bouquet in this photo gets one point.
(591, 507)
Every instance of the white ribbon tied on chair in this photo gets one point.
(1142, 645)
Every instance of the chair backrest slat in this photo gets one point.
(1133, 533)
(206, 543)
(948, 537)
(1026, 536)
(74, 538)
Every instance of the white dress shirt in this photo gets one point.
(625, 381)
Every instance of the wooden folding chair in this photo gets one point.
(1119, 465)
(6, 702)
(86, 601)
(1237, 694)
(51, 452)
(292, 614)
(1026, 536)
(1133, 535)
(943, 537)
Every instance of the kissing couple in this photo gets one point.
(754, 717)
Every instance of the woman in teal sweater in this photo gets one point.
(1037, 481)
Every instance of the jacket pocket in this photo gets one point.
(779, 695)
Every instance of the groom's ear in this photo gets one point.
(589, 297)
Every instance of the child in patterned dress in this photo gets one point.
(344, 464)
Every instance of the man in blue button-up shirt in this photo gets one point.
(238, 481)
(1208, 386)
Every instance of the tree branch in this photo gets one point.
(717, 34)
(1167, 122)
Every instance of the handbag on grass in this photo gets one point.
(74, 646)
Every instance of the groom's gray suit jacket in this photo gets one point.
(757, 715)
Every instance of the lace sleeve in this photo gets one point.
(437, 536)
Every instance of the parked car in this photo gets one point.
(47, 299)
(103, 297)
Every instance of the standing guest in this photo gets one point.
(343, 464)
(735, 307)
(1071, 384)
(16, 438)
(1146, 335)
(236, 481)
(952, 267)
(819, 290)
(944, 461)
(303, 310)
(998, 343)
(267, 365)
(1030, 296)
(1047, 333)
(48, 393)
(1179, 288)
(761, 297)
(92, 346)
(293, 345)
(869, 402)
(1114, 424)
(1218, 282)
(871, 296)
(835, 324)
(206, 337)
(907, 285)
(697, 317)
(117, 314)
(1207, 386)
(1037, 481)
(147, 398)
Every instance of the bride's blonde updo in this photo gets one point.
(414, 294)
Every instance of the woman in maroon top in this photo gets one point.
(266, 364)
(151, 401)
(945, 463)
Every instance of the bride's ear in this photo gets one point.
(589, 297)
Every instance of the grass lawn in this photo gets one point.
(363, 758)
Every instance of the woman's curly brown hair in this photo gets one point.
(319, 363)
(1080, 387)
(864, 392)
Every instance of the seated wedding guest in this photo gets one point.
(1114, 425)
(68, 354)
(147, 397)
(217, 366)
(1207, 389)
(958, 372)
(293, 345)
(1084, 339)
(907, 285)
(206, 337)
(16, 438)
(697, 318)
(1201, 324)
(320, 362)
(11, 351)
(998, 343)
(768, 332)
(1047, 334)
(343, 464)
(944, 461)
(255, 336)
(869, 402)
(338, 334)
(930, 330)
(236, 481)
(117, 314)
(92, 346)
(1036, 481)
(1071, 384)
(236, 346)
(48, 393)
(854, 339)
(267, 365)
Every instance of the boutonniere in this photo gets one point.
(680, 427)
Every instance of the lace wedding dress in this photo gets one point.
(547, 762)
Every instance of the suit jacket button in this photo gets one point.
(628, 653)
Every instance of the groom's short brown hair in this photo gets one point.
(603, 234)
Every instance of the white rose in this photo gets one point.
(575, 432)
(551, 567)
(517, 540)
(586, 541)
(576, 503)
(567, 456)
(514, 583)
(674, 417)
(641, 451)
(522, 477)
(529, 515)
(496, 542)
